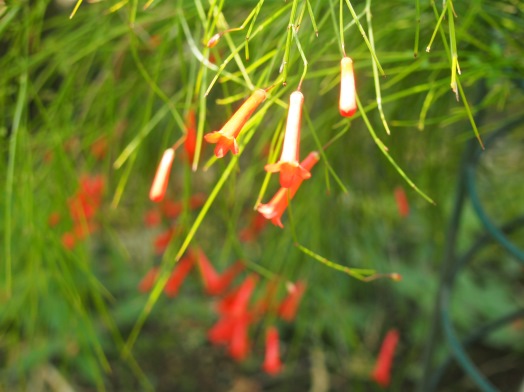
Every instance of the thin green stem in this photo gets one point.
(287, 49)
(417, 29)
(366, 40)
(299, 47)
(8, 223)
(428, 48)
(312, 17)
(376, 78)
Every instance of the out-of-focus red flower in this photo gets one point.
(272, 364)
(402, 201)
(162, 240)
(152, 218)
(68, 240)
(84, 229)
(93, 186)
(178, 276)
(239, 345)
(191, 136)
(289, 306)
(53, 219)
(222, 331)
(251, 232)
(214, 283)
(274, 210)
(148, 280)
(235, 304)
(99, 148)
(382, 372)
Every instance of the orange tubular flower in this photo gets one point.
(278, 204)
(272, 364)
(225, 139)
(288, 307)
(382, 372)
(159, 187)
(290, 170)
(348, 103)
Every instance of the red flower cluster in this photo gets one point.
(236, 315)
(83, 207)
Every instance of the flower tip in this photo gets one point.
(347, 113)
(214, 40)
(395, 276)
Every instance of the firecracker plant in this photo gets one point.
(274, 175)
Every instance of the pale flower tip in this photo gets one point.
(213, 40)
(159, 186)
(395, 276)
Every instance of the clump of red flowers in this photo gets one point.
(83, 208)
(235, 306)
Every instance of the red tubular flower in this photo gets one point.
(382, 372)
(288, 308)
(191, 136)
(226, 137)
(272, 364)
(222, 331)
(162, 240)
(178, 276)
(214, 283)
(402, 202)
(149, 280)
(159, 187)
(290, 170)
(348, 102)
(239, 344)
(235, 304)
(278, 204)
